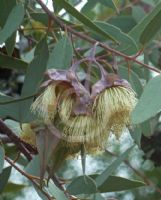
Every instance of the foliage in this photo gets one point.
(92, 39)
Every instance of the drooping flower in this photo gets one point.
(85, 116)
(114, 102)
(119, 102)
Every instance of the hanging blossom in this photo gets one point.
(85, 115)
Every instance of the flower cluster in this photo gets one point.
(85, 115)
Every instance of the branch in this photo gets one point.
(91, 40)
(146, 180)
(15, 139)
(28, 177)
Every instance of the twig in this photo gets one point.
(16, 140)
(91, 40)
(146, 180)
(28, 177)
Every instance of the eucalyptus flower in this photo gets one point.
(114, 102)
(85, 115)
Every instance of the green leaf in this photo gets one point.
(137, 31)
(14, 126)
(89, 6)
(10, 107)
(12, 63)
(138, 13)
(149, 104)
(13, 187)
(10, 43)
(56, 192)
(4, 176)
(6, 7)
(36, 69)
(109, 3)
(116, 183)
(151, 29)
(126, 44)
(82, 185)
(154, 57)
(2, 154)
(82, 18)
(61, 55)
(98, 196)
(9, 110)
(136, 135)
(102, 178)
(133, 78)
(124, 22)
(33, 167)
(92, 3)
(146, 128)
(112, 184)
(14, 19)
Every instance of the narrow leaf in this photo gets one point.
(117, 183)
(100, 180)
(61, 55)
(139, 28)
(10, 43)
(4, 176)
(136, 135)
(82, 185)
(1, 158)
(124, 22)
(82, 18)
(147, 128)
(36, 69)
(98, 196)
(126, 43)
(33, 167)
(148, 106)
(13, 21)
(12, 63)
(56, 192)
(109, 3)
(9, 110)
(10, 107)
(6, 7)
(133, 78)
(151, 29)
